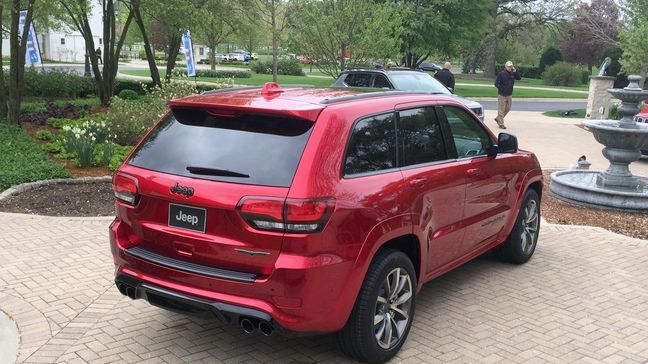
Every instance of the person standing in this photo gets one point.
(446, 77)
(504, 83)
(98, 53)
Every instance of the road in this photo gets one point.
(538, 105)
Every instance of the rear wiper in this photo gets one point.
(215, 172)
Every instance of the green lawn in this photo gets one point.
(578, 114)
(23, 160)
(466, 91)
(524, 82)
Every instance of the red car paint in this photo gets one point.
(308, 282)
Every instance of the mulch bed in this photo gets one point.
(96, 199)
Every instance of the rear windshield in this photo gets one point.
(250, 149)
(419, 81)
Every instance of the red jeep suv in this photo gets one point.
(303, 210)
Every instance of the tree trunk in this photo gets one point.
(212, 55)
(18, 45)
(3, 89)
(175, 41)
(642, 72)
(150, 56)
(491, 44)
(275, 37)
(342, 60)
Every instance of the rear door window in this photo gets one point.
(248, 149)
(358, 80)
(420, 135)
(372, 147)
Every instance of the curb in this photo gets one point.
(69, 181)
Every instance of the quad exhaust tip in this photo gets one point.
(248, 325)
(265, 328)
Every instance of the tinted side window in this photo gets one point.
(372, 146)
(358, 80)
(469, 137)
(421, 137)
(380, 81)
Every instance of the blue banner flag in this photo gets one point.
(188, 52)
(32, 52)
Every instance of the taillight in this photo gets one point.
(125, 188)
(286, 215)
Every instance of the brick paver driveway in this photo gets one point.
(582, 298)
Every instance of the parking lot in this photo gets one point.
(582, 298)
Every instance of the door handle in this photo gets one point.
(418, 182)
(473, 172)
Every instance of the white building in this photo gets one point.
(66, 43)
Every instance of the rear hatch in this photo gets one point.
(195, 167)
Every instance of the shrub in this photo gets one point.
(563, 74)
(129, 120)
(23, 160)
(61, 122)
(44, 135)
(140, 87)
(128, 95)
(549, 57)
(55, 147)
(223, 74)
(289, 66)
(54, 110)
(119, 154)
(54, 84)
(614, 113)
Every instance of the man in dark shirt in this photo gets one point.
(446, 77)
(504, 83)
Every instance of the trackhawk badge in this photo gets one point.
(181, 190)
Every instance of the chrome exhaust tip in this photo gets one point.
(247, 325)
(265, 328)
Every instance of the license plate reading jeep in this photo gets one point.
(186, 217)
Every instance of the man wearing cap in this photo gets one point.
(504, 83)
(446, 77)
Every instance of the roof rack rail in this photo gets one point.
(370, 95)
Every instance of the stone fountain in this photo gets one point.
(615, 187)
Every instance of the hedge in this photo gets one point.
(524, 70)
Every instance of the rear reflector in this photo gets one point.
(125, 188)
(289, 215)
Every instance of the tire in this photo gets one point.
(520, 245)
(379, 325)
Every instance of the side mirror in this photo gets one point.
(507, 143)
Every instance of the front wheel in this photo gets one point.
(520, 245)
(384, 309)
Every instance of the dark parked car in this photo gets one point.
(317, 210)
(403, 80)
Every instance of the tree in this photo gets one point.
(150, 55)
(77, 15)
(439, 27)
(217, 22)
(274, 13)
(507, 17)
(593, 28)
(3, 89)
(550, 56)
(333, 30)
(634, 39)
(18, 46)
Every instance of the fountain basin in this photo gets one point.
(581, 187)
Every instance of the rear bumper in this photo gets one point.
(305, 295)
(185, 303)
